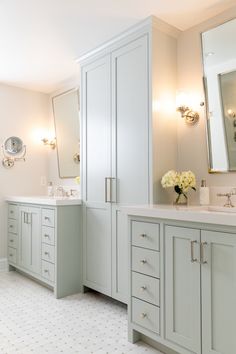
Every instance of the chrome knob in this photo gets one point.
(45, 235)
(143, 235)
(143, 261)
(143, 315)
(46, 218)
(142, 288)
(46, 253)
(11, 241)
(45, 270)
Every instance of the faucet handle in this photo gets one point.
(228, 203)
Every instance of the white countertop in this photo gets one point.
(181, 213)
(45, 200)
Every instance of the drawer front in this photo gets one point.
(12, 240)
(48, 235)
(48, 217)
(146, 288)
(48, 253)
(48, 271)
(12, 226)
(145, 234)
(12, 211)
(12, 255)
(146, 261)
(146, 315)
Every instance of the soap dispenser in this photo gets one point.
(50, 189)
(204, 193)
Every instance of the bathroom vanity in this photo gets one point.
(45, 241)
(182, 271)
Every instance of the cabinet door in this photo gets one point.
(130, 146)
(96, 161)
(218, 293)
(182, 287)
(30, 239)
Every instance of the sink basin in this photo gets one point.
(222, 209)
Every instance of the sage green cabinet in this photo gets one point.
(196, 282)
(45, 242)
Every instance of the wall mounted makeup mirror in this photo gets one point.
(219, 60)
(13, 150)
(67, 126)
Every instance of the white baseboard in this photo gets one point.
(3, 264)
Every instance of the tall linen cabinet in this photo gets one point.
(128, 142)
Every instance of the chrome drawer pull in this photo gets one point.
(11, 226)
(46, 271)
(11, 212)
(143, 261)
(45, 235)
(142, 288)
(11, 255)
(11, 240)
(46, 218)
(143, 235)
(143, 315)
(46, 253)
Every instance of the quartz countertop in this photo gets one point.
(45, 200)
(189, 213)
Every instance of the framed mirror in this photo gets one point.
(219, 61)
(67, 126)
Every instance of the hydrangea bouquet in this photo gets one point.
(182, 182)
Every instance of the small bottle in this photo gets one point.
(204, 193)
(50, 189)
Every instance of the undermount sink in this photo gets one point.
(222, 209)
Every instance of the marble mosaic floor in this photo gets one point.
(33, 321)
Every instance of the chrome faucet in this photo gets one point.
(228, 203)
(60, 191)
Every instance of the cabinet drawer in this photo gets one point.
(12, 211)
(48, 253)
(11, 255)
(146, 288)
(48, 270)
(145, 261)
(48, 217)
(48, 235)
(12, 240)
(145, 234)
(12, 226)
(146, 315)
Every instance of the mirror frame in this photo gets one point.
(204, 80)
(77, 90)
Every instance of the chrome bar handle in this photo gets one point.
(192, 251)
(202, 260)
(106, 198)
(112, 181)
(24, 217)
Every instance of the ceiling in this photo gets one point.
(40, 39)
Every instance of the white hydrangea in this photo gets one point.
(170, 179)
(184, 180)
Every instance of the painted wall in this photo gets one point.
(23, 113)
(192, 142)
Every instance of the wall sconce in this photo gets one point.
(51, 143)
(190, 116)
(231, 114)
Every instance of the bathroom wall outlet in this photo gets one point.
(43, 181)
